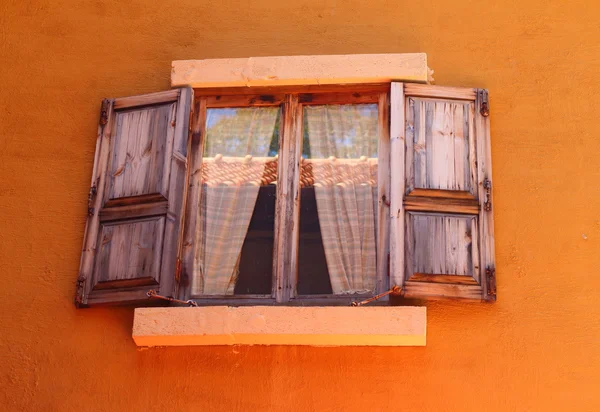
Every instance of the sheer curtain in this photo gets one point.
(343, 152)
(235, 157)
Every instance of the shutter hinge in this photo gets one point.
(153, 295)
(80, 291)
(490, 273)
(396, 290)
(485, 104)
(177, 270)
(91, 197)
(487, 185)
(104, 112)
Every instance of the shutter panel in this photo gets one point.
(136, 200)
(442, 233)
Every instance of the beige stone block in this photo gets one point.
(300, 70)
(276, 325)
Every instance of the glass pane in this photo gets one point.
(338, 203)
(236, 217)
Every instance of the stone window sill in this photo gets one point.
(277, 325)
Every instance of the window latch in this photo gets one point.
(152, 294)
(396, 290)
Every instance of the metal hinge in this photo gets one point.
(104, 112)
(91, 196)
(153, 295)
(80, 291)
(490, 274)
(396, 290)
(487, 185)
(485, 104)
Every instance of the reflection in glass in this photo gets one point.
(236, 216)
(337, 250)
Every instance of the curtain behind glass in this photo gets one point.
(343, 156)
(235, 158)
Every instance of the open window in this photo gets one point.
(283, 205)
(291, 195)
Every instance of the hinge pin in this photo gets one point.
(485, 104)
(91, 196)
(487, 185)
(104, 112)
(490, 273)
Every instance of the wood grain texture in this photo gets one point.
(442, 194)
(134, 200)
(397, 181)
(441, 291)
(447, 162)
(167, 96)
(287, 210)
(134, 210)
(428, 277)
(440, 155)
(442, 92)
(484, 171)
(88, 254)
(244, 100)
(340, 98)
(177, 191)
(140, 144)
(190, 239)
(383, 192)
(441, 204)
(129, 250)
(140, 180)
(442, 244)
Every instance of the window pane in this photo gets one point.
(338, 204)
(236, 218)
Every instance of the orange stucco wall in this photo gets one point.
(536, 349)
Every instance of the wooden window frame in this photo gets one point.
(291, 99)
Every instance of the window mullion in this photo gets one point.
(383, 193)
(288, 197)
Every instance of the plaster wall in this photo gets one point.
(536, 349)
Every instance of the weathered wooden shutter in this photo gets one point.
(442, 233)
(136, 199)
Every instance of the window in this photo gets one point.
(292, 196)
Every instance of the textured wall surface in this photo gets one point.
(535, 349)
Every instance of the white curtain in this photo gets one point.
(234, 163)
(343, 153)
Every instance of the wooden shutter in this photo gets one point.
(442, 233)
(136, 199)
